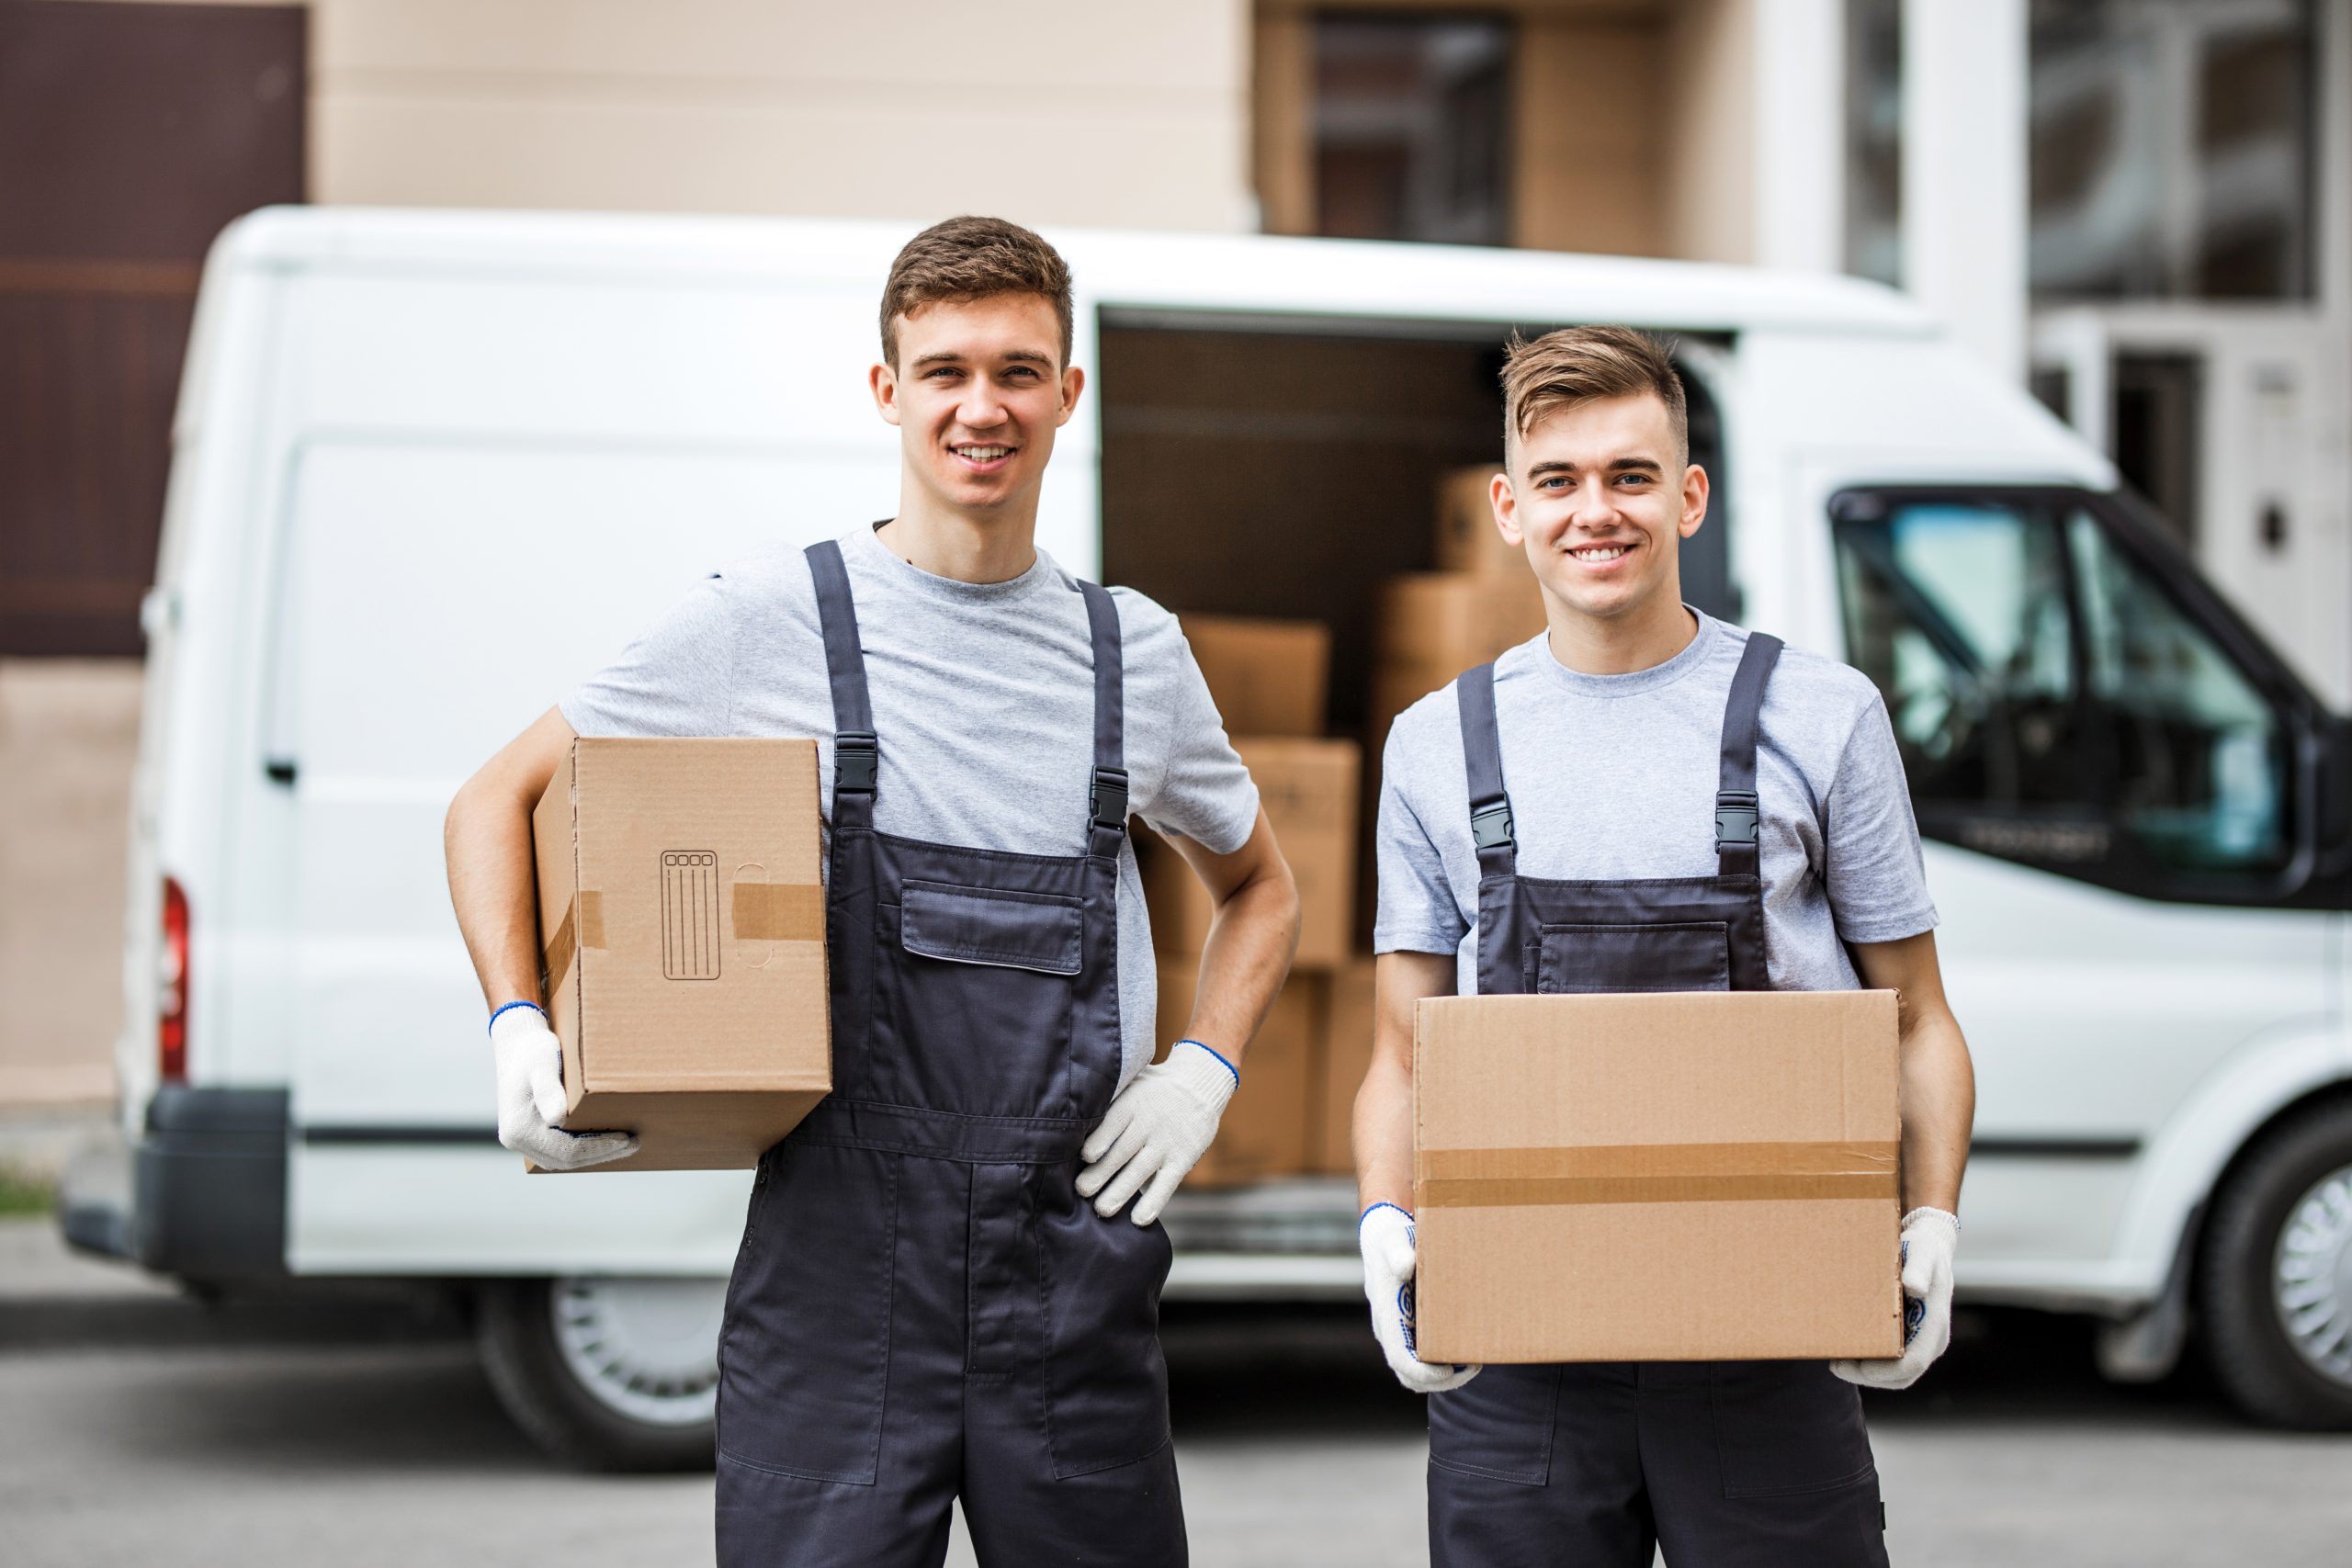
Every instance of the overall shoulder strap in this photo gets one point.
(1738, 815)
(857, 759)
(1482, 752)
(1107, 798)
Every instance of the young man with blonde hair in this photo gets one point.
(937, 1296)
(1698, 809)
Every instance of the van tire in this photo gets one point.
(514, 1324)
(2249, 1348)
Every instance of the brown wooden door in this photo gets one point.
(129, 134)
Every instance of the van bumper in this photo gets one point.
(204, 1194)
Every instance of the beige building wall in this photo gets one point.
(68, 732)
(1060, 112)
(1708, 127)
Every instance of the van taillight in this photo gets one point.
(171, 988)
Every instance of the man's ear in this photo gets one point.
(883, 382)
(1695, 499)
(1504, 502)
(1073, 383)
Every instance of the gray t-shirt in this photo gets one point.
(983, 700)
(1613, 777)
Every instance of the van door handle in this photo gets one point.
(281, 771)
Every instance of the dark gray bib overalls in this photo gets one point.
(1727, 1464)
(924, 1307)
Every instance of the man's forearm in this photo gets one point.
(1384, 1136)
(493, 887)
(1939, 1100)
(1244, 963)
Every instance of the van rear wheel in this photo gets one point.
(619, 1374)
(2277, 1275)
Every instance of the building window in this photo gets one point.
(1411, 127)
(2173, 147)
(1874, 140)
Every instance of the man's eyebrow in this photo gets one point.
(1616, 466)
(952, 356)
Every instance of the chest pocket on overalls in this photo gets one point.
(977, 998)
(1685, 955)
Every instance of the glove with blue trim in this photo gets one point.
(1155, 1130)
(530, 1096)
(1384, 1235)
(1930, 1238)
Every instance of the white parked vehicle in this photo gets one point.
(431, 469)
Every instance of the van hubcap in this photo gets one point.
(2310, 1277)
(647, 1347)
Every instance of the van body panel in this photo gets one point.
(470, 1209)
(544, 426)
(2262, 1076)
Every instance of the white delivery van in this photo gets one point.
(431, 469)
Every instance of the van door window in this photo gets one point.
(2057, 699)
(1959, 610)
(2200, 756)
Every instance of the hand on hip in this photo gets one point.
(1155, 1130)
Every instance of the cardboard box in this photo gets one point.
(1309, 791)
(682, 921)
(1455, 620)
(1664, 1177)
(1265, 1130)
(1340, 1066)
(1468, 539)
(1268, 677)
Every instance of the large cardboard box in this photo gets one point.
(1340, 1066)
(1309, 791)
(1266, 1127)
(682, 921)
(1468, 539)
(1666, 1176)
(1268, 677)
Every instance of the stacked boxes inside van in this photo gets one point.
(1270, 681)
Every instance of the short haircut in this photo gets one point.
(965, 259)
(1582, 364)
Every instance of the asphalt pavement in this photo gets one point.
(140, 1429)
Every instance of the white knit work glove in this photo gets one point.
(1386, 1236)
(530, 1098)
(1155, 1130)
(1930, 1238)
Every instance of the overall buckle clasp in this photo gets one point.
(1739, 819)
(1490, 827)
(1107, 801)
(857, 759)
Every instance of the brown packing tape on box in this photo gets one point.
(583, 926)
(763, 911)
(1656, 1173)
(779, 911)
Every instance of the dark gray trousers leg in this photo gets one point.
(1759, 1464)
(1539, 1467)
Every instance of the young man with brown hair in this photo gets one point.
(936, 1296)
(1645, 768)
